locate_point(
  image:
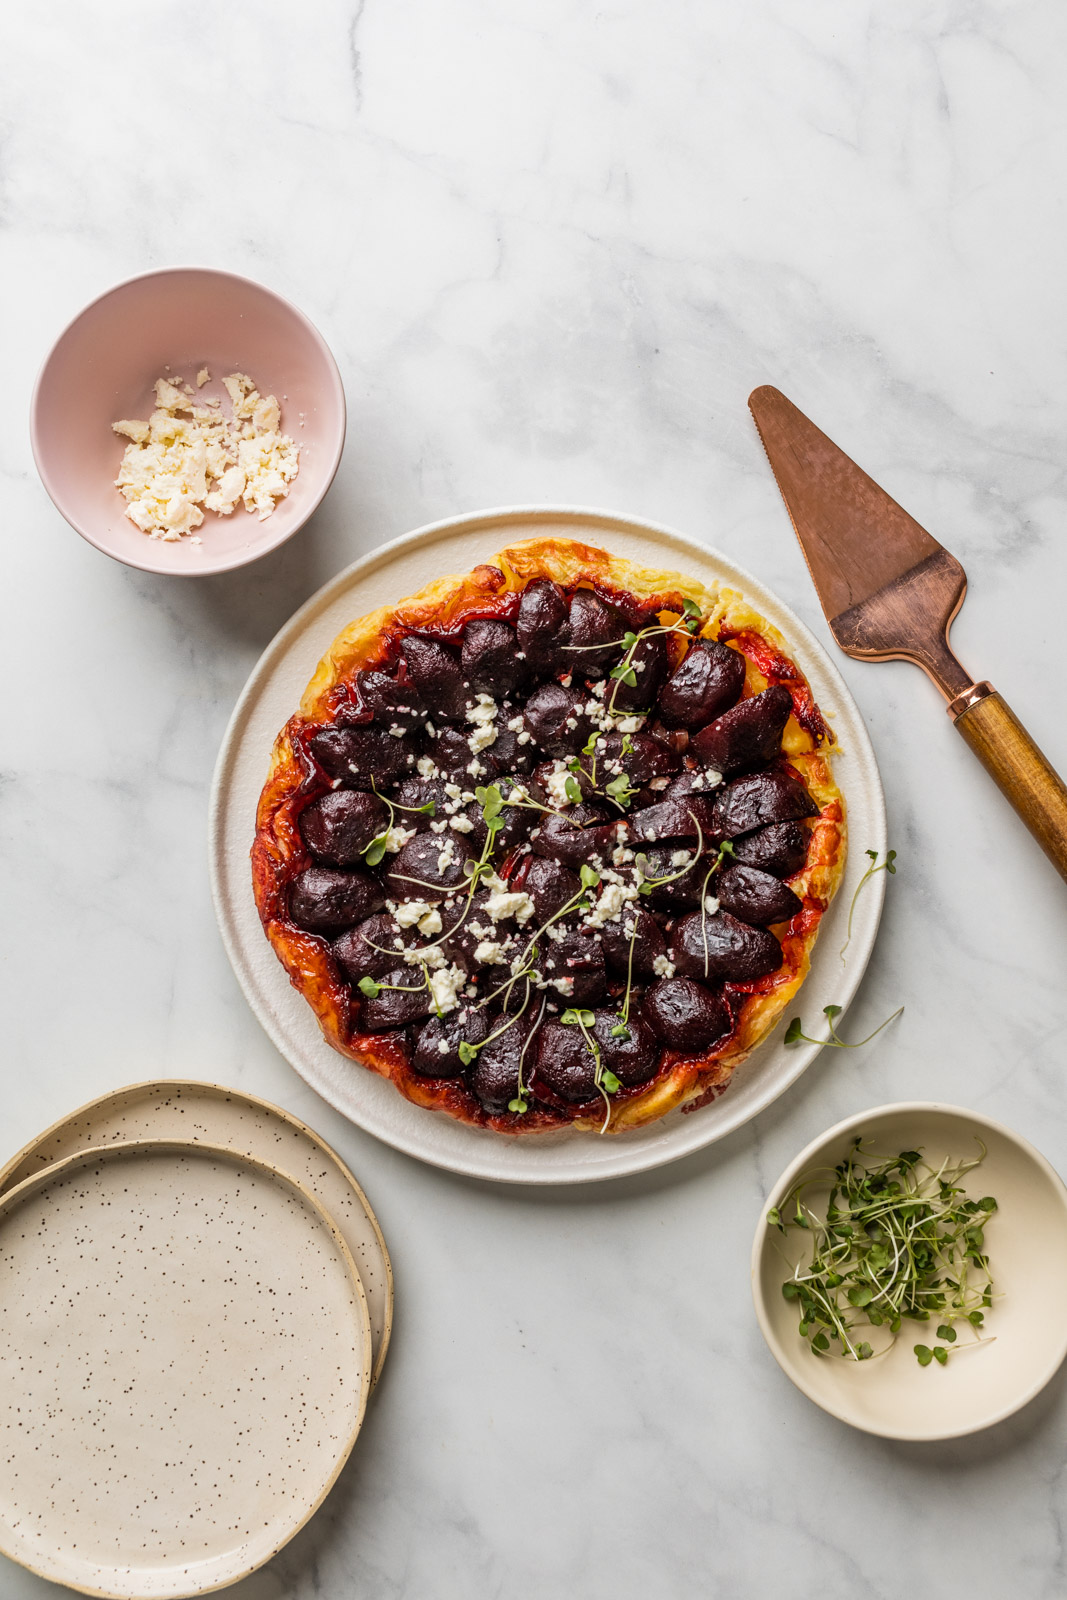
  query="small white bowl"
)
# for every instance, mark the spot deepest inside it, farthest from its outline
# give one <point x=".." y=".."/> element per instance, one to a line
<point x="103" y="367"/>
<point x="1026" y="1240"/>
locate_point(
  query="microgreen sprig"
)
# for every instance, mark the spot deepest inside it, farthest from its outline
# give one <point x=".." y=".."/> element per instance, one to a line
<point x="899" y="1241"/>
<point x="606" y="1081"/>
<point x="795" y="1033"/>
<point x="373" y="852"/>
<point x="886" y="866"/>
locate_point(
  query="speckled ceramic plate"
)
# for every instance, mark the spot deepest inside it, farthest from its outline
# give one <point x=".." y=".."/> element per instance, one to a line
<point x="270" y="698"/>
<point x="207" y="1113"/>
<point x="184" y="1367"/>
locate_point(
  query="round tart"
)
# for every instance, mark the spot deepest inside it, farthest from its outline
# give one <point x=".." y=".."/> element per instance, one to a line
<point x="549" y="845"/>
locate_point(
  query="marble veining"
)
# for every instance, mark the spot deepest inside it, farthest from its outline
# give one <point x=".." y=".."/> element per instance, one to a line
<point x="553" y="250"/>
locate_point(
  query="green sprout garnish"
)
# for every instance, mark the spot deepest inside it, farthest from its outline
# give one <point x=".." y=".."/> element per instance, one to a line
<point x="373" y="851"/>
<point x="794" y="1033"/>
<point x="886" y="866"/>
<point x="606" y="1081"/>
<point x="899" y="1242"/>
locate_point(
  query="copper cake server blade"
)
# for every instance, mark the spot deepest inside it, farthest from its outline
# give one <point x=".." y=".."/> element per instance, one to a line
<point x="889" y="591"/>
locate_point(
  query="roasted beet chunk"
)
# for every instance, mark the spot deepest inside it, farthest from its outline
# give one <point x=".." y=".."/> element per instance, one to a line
<point x="647" y="941"/>
<point x="578" y="959"/>
<point x="403" y="998"/>
<point x="494" y="1076"/>
<point x="708" y="681"/>
<point x="324" y="900"/>
<point x="451" y="753"/>
<point x="412" y="795"/>
<point x="370" y="951"/>
<point x="550" y="887"/>
<point x="643" y="756"/>
<point x="358" y="755"/>
<point x="390" y="702"/>
<point x="430" y="1060"/>
<point x="722" y="949"/>
<point x="756" y="896"/>
<point x="436" y="673"/>
<point x="649" y="661"/>
<point x="338" y="826"/>
<point x="542" y="626"/>
<point x="507" y="754"/>
<point x="685" y="1015"/>
<point x="684" y="884"/>
<point x="490" y="658"/>
<point x="573" y="838"/>
<point x="634" y="1060"/>
<point x="593" y="625"/>
<point x="464" y="934"/>
<point x="761" y="798"/>
<point x="780" y="849"/>
<point x="555" y="720"/>
<point x="748" y="735"/>
<point x="428" y="868"/>
<point x="673" y="819"/>
<point x="565" y="1064"/>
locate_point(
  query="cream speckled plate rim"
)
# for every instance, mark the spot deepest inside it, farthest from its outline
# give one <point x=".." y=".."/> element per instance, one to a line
<point x="372" y="1102"/>
<point x="121" y="1151"/>
<point x="252" y="1100"/>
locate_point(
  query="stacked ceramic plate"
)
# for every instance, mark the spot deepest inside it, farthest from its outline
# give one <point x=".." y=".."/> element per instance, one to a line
<point x="195" y="1302"/>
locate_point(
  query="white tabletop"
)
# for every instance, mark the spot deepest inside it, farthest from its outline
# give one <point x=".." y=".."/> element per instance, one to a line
<point x="553" y="249"/>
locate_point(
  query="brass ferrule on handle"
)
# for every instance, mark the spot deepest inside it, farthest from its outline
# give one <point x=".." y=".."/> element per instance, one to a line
<point x="1021" y="772"/>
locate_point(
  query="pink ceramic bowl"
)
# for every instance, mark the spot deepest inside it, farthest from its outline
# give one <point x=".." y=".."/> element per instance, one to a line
<point x="103" y="367"/>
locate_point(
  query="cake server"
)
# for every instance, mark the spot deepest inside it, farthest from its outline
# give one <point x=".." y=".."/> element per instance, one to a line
<point x="889" y="592"/>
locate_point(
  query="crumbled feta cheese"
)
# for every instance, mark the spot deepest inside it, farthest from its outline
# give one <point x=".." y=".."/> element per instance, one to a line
<point x="396" y="838"/>
<point x="445" y="985"/>
<point x="620" y="856"/>
<point x="663" y="967"/>
<point x="483" y="715"/>
<point x="453" y="791"/>
<point x="503" y="903"/>
<point x="556" y="784"/>
<point x="630" y="724"/>
<point x="396" y="731"/>
<point x="475" y="768"/>
<point x="516" y="724"/>
<point x="613" y="896"/>
<point x="426" y="767"/>
<point x="447" y="855"/>
<point x="439" y="825"/>
<point x="481" y="739"/>
<point x="564" y="985"/>
<point x="711" y="905"/>
<point x="202" y="377"/>
<point x="188" y="459"/>
<point x="431" y="922"/>
<point x="681" y="858"/>
<point x="461" y="824"/>
<point x="442" y="1047"/>
<point x="407" y="914"/>
<point x="490" y="953"/>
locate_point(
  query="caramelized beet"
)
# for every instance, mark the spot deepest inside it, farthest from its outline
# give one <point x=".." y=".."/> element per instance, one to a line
<point x="549" y="886"/>
<point x="756" y="896"/>
<point x="324" y="900"/>
<point x="412" y="795"/>
<point x="574" y="838"/>
<point x="416" y="873"/>
<point x="685" y="1015"/>
<point x="430" y="1060"/>
<point x="405" y="999"/>
<point x="634" y="1060"/>
<point x="648" y="944"/>
<point x="339" y="825"/>
<point x="494" y="1076"/>
<point x="683" y="890"/>
<point x="720" y="948"/>
<point x="565" y="1064"/>
<point x="649" y="661"/>
<point x="507" y="755"/>
<point x="674" y="819"/>
<point x="451" y="754"/>
<point x="748" y="735"/>
<point x="709" y="680"/>
<point x="389" y="701"/>
<point x="643" y="756"/>
<point x="762" y="797"/>
<point x="437" y="676"/>
<point x="369" y="951"/>
<point x="593" y="624"/>
<point x="780" y="849"/>
<point x="579" y="958"/>
<point x="555" y="720"/>
<point x="542" y="626"/>
<point x="357" y="755"/>
<point x="489" y="660"/>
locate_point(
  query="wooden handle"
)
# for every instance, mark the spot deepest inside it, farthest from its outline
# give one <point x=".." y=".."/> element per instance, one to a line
<point x="1017" y="767"/>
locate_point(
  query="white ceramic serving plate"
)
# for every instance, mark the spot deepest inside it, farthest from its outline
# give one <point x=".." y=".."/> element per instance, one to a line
<point x="273" y="693"/>
<point x="1026" y="1241"/>
<point x="207" y="1113"/>
<point x="184" y="1367"/>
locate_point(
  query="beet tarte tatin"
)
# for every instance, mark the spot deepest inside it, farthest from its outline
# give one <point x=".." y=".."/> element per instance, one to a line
<point x="549" y="845"/>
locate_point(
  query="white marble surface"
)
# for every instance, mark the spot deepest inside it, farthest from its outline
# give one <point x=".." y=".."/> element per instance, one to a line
<point x="553" y="249"/>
